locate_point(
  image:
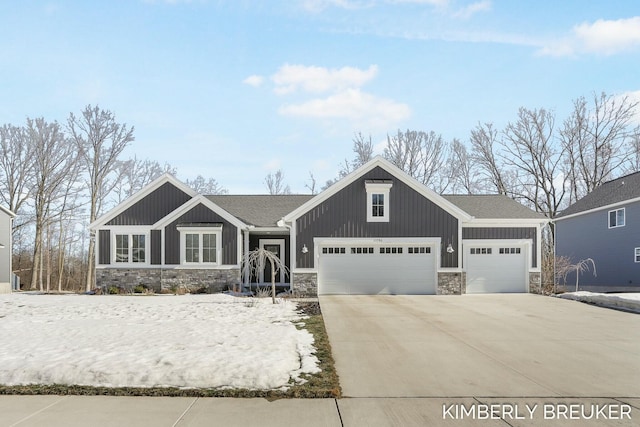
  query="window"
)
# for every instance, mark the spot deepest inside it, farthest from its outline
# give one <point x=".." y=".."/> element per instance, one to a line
<point x="131" y="248"/>
<point x="480" y="251"/>
<point x="378" y="200"/>
<point x="637" y="253"/>
<point x="122" y="248"/>
<point x="616" y="218"/>
<point x="507" y="251"/>
<point x="420" y="250"/>
<point x="377" y="205"/>
<point x="200" y="245"/>
<point x="336" y="251"/>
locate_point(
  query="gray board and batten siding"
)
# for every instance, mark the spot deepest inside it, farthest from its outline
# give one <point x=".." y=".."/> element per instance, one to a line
<point x="344" y="214"/>
<point x="201" y="214"/>
<point x="153" y="207"/>
<point x="147" y="211"/>
<point x="612" y="249"/>
<point x="489" y="233"/>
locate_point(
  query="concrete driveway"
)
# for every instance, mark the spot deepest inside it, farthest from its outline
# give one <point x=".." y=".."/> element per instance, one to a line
<point x="509" y="345"/>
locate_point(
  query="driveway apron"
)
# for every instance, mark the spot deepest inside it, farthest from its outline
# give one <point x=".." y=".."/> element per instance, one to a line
<point x="501" y="345"/>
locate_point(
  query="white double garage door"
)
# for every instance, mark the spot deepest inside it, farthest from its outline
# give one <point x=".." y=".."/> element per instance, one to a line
<point x="409" y="267"/>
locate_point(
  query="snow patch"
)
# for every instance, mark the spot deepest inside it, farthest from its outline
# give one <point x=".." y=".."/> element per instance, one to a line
<point x="192" y="341"/>
<point x="626" y="301"/>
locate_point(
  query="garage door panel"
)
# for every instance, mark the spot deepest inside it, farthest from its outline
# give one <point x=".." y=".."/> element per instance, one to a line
<point x="495" y="269"/>
<point x="373" y="272"/>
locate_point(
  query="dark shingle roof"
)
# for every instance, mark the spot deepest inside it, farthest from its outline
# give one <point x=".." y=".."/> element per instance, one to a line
<point x="494" y="206"/>
<point x="615" y="191"/>
<point x="267" y="210"/>
<point x="260" y="210"/>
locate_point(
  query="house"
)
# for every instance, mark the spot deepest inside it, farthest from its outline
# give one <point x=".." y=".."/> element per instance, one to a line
<point x="6" y="273"/>
<point x="377" y="230"/>
<point x="605" y="226"/>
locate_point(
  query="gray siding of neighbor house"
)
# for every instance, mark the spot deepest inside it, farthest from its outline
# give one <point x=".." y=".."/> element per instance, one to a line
<point x="612" y="249"/>
<point x="254" y="242"/>
<point x="201" y="214"/>
<point x="153" y="207"/>
<point x="505" y="233"/>
<point x="104" y="247"/>
<point x="345" y="215"/>
<point x="5" y="253"/>
<point x="156" y="247"/>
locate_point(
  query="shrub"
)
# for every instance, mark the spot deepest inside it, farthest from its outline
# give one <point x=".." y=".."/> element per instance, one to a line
<point x="113" y="290"/>
<point x="140" y="289"/>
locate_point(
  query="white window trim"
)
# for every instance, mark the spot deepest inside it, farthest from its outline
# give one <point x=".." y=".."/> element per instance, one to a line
<point x="131" y="232"/>
<point x="624" y="214"/>
<point x="378" y="188"/>
<point x="200" y="231"/>
<point x="636" y="254"/>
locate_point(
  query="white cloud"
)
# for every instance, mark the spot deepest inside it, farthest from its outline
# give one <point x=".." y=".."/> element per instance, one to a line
<point x="632" y="97"/>
<point x="354" y="105"/>
<point x="290" y="78"/>
<point x="272" y="165"/>
<point x="605" y="37"/>
<point x="254" y="80"/>
<point x="473" y="8"/>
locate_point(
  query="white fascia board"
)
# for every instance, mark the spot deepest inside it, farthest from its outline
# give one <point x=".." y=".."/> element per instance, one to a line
<point x="186" y="207"/>
<point x="510" y="222"/>
<point x="376" y="240"/>
<point x="601" y="208"/>
<point x="396" y="172"/>
<point x="135" y="198"/>
<point x="7" y="211"/>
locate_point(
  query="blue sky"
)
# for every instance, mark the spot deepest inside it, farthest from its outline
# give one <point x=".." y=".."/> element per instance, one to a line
<point x="234" y="90"/>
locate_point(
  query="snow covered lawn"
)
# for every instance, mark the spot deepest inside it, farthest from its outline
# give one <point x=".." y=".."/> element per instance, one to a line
<point x="191" y="341"/>
<point x="626" y="301"/>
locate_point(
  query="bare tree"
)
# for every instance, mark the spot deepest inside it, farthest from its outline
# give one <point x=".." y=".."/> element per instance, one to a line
<point x="54" y="160"/>
<point x="133" y="174"/>
<point x="275" y="183"/>
<point x="422" y="155"/>
<point x="16" y="166"/>
<point x="529" y="149"/>
<point x="483" y="142"/>
<point x="464" y="172"/>
<point x="204" y="186"/>
<point x="595" y="136"/>
<point x="312" y="186"/>
<point x="99" y="140"/>
<point x="255" y="261"/>
<point x="633" y="147"/>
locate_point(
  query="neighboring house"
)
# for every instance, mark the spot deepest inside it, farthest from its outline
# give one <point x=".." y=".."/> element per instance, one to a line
<point x="377" y="230"/>
<point x="605" y="226"/>
<point x="6" y="273"/>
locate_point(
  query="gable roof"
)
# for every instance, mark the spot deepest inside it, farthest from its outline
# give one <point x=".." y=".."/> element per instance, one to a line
<point x="617" y="191"/>
<point x="379" y="161"/>
<point x="199" y="199"/>
<point x="260" y="210"/>
<point x="141" y="194"/>
<point x="492" y="206"/>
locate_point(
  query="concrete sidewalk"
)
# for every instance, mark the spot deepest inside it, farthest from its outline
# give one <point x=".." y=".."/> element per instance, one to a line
<point x="99" y="411"/>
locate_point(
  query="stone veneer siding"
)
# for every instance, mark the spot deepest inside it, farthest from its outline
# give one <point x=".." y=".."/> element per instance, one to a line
<point x="452" y="283"/>
<point x="304" y="284"/>
<point x="535" y="286"/>
<point x="169" y="279"/>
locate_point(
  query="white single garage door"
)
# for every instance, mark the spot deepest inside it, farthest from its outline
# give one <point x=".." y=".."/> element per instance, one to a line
<point x="382" y="268"/>
<point x="496" y="267"/>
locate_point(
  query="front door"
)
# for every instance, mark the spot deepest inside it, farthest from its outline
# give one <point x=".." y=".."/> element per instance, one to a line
<point x="275" y="246"/>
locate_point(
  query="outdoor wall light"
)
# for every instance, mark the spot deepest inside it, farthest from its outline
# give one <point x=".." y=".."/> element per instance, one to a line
<point x="450" y="249"/>
<point x="1" y="246"/>
<point x="305" y="249"/>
